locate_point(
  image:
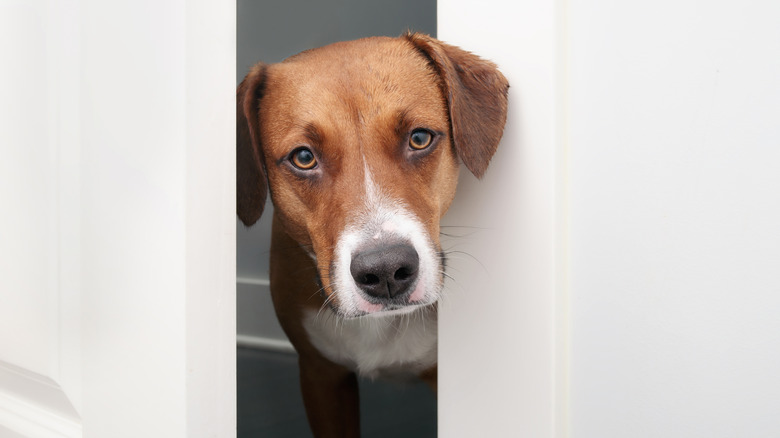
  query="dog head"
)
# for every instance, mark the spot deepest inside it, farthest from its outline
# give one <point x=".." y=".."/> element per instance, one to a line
<point x="358" y="144"/>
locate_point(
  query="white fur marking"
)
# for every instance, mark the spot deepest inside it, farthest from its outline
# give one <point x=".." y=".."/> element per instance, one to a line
<point x="392" y="345"/>
<point x="383" y="217"/>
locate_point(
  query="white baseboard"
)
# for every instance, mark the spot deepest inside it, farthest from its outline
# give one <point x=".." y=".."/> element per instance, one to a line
<point x="256" y="323"/>
<point x="35" y="406"/>
<point x="253" y="281"/>
<point x="257" y="326"/>
<point x="248" y="341"/>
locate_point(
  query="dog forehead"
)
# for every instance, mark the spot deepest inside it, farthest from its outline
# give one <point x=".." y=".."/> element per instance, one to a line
<point x="363" y="77"/>
<point x="377" y="58"/>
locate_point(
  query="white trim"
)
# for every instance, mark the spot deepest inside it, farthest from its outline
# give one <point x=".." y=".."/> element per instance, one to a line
<point x="209" y="73"/>
<point x="253" y="281"/>
<point x="505" y="310"/>
<point x="35" y="406"/>
<point x="562" y="306"/>
<point x="33" y="421"/>
<point x="259" y="342"/>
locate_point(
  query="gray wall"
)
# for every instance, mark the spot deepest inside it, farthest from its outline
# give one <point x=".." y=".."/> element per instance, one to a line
<point x="270" y="31"/>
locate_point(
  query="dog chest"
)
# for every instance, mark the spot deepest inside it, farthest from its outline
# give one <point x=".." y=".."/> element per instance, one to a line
<point x="388" y="346"/>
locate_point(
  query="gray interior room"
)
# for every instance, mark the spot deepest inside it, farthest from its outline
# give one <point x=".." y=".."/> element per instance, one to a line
<point x="269" y="402"/>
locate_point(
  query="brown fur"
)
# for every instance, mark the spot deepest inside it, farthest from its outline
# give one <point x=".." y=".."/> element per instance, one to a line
<point x="350" y="100"/>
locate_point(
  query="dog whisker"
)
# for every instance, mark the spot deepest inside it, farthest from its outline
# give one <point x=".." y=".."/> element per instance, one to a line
<point x="484" y="268"/>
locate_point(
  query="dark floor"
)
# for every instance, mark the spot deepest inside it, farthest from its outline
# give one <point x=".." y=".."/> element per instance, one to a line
<point x="270" y="404"/>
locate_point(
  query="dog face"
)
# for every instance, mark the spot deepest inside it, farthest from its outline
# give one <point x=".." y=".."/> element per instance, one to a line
<point x="359" y="145"/>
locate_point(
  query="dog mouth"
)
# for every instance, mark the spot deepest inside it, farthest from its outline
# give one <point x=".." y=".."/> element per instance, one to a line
<point x="384" y="262"/>
<point x="393" y="310"/>
<point x="381" y="310"/>
<point x="364" y="305"/>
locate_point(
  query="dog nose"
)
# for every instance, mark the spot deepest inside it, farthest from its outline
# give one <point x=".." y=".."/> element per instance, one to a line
<point x="386" y="271"/>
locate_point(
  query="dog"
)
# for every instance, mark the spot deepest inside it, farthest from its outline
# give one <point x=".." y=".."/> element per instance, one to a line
<point x="359" y="145"/>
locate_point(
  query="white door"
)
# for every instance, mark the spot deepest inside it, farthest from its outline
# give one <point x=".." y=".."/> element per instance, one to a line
<point x="117" y="245"/>
<point x="675" y="203"/>
<point x="630" y="247"/>
<point x="117" y="253"/>
<point x="500" y="346"/>
<point x="121" y="269"/>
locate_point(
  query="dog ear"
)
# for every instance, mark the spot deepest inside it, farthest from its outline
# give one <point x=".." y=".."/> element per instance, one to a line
<point x="251" y="183"/>
<point x="477" y="98"/>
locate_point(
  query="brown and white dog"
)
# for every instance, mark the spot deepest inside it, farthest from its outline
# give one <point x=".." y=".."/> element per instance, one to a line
<point x="358" y="143"/>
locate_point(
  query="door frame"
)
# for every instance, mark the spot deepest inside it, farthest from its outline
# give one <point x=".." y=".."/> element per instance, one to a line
<point x="503" y="343"/>
<point x="139" y="122"/>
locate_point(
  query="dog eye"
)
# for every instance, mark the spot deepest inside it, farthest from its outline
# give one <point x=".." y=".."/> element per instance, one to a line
<point x="420" y="139"/>
<point x="303" y="158"/>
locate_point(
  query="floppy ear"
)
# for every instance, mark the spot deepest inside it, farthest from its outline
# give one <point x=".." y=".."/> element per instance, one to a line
<point x="477" y="98"/>
<point x="251" y="184"/>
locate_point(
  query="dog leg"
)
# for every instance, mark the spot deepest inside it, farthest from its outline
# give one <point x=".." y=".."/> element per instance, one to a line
<point x="431" y="377"/>
<point x="330" y="394"/>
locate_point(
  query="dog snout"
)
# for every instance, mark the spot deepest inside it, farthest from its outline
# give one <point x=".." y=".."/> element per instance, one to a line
<point x="386" y="271"/>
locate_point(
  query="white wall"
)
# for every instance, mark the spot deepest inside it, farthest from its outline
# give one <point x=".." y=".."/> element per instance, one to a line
<point x="674" y="109"/>
<point x="28" y="223"/>
<point x="40" y="363"/>
<point x="630" y="284"/>
<point x="498" y="374"/>
<point x="117" y="289"/>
